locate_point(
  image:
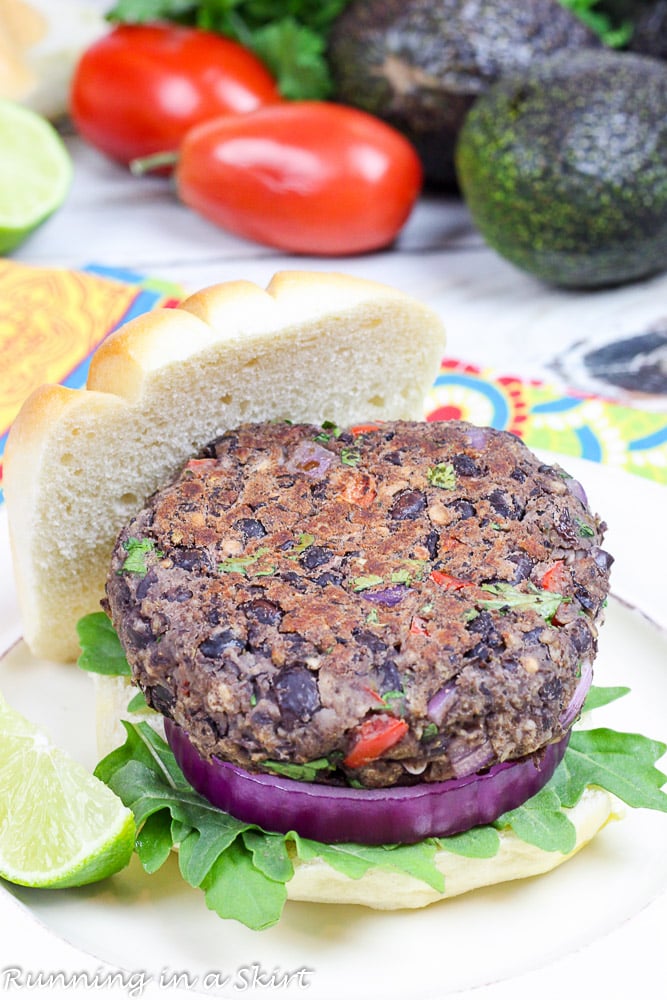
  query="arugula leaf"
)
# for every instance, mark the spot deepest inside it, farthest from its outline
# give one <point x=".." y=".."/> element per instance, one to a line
<point x="199" y="850"/>
<point x="138" y="703"/>
<point x="237" y="890"/>
<point x="142" y="745"/>
<point x="154" y="841"/>
<point x="480" y="842"/>
<point x="597" y="697"/>
<point x="269" y="853"/>
<point x="354" y="860"/>
<point x="623" y="763"/>
<point x="541" y="822"/>
<point x="101" y="651"/>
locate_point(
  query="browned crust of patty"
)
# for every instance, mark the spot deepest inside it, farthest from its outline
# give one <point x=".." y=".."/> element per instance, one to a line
<point x="294" y="582"/>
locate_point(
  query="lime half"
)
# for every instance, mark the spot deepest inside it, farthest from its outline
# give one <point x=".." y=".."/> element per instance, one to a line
<point x="59" y="825"/>
<point x="35" y="173"/>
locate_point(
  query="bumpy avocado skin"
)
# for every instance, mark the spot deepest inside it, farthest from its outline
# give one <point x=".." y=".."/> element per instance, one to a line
<point x="420" y="64"/>
<point x="564" y="168"/>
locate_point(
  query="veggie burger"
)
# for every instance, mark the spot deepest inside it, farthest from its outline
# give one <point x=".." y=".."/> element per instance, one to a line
<point x="377" y="634"/>
<point x="365" y="637"/>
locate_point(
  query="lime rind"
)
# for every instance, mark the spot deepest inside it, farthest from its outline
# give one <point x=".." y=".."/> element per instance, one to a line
<point x="35" y="172"/>
<point x="59" y="825"/>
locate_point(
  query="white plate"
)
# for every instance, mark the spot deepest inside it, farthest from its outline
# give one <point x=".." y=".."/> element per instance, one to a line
<point x="598" y="922"/>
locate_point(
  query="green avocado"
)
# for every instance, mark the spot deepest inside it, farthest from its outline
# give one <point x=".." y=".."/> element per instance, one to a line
<point x="419" y="65"/>
<point x="564" y="168"/>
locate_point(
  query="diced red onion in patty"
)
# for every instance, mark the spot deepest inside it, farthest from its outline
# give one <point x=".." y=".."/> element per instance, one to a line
<point x="440" y="702"/>
<point x="390" y="596"/>
<point x="311" y="459"/>
<point x="572" y="711"/>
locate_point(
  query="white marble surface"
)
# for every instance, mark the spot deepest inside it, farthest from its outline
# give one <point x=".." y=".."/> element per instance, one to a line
<point x="495" y="315"/>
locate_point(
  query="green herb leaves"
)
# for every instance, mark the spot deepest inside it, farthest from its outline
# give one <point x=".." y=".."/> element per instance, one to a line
<point x="545" y="602"/>
<point x="137" y="549"/>
<point x="240" y="564"/>
<point x="366" y="582"/>
<point x="299" y="772"/>
<point x="442" y="475"/>
<point x="290" y="36"/>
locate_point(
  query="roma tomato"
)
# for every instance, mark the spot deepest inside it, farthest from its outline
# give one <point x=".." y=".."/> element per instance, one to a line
<point x="138" y="90"/>
<point x="308" y="177"/>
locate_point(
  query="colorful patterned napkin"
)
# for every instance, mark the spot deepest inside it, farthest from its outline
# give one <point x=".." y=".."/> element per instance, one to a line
<point x="545" y="416"/>
<point x="52" y="320"/>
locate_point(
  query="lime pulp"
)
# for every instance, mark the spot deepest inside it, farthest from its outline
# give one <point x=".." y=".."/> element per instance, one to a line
<point x="59" y="825"/>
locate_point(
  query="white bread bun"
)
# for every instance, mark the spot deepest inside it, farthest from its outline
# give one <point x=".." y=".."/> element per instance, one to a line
<point x="384" y="889"/>
<point x="78" y="463"/>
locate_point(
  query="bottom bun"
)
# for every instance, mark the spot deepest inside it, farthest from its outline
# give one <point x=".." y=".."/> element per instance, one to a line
<point x="380" y="889"/>
<point x="316" y="881"/>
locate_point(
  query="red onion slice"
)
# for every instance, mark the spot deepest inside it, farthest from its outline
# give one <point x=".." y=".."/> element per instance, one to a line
<point x="394" y="815"/>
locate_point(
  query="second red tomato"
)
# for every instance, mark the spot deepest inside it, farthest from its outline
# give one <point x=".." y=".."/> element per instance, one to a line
<point x="138" y="89"/>
<point x="308" y="177"/>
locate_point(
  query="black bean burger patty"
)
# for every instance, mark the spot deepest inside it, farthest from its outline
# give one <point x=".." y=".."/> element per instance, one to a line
<point x="398" y="602"/>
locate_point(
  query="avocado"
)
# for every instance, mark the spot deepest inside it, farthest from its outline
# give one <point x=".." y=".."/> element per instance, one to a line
<point x="420" y="64"/>
<point x="564" y="168"/>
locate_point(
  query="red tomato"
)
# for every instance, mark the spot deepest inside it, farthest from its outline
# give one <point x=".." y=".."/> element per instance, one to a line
<point x="308" y="177"/>
<point x="374" y="737"/>
<point x="138" y="90"/>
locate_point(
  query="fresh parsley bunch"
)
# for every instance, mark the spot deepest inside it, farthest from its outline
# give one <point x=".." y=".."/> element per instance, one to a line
<point x="289" y="36"/>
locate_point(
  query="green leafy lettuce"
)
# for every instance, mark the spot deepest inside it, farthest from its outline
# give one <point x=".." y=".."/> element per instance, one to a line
<point x="243" y="870"/>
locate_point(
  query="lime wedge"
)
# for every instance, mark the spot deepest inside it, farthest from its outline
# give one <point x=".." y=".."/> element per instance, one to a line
<point x="35" y="173"/>
<point x="59" y="825"/>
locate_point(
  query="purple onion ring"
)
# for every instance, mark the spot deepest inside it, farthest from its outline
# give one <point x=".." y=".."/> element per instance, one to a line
<point x="331" y="814"/>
